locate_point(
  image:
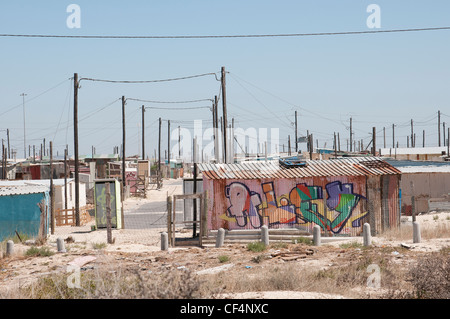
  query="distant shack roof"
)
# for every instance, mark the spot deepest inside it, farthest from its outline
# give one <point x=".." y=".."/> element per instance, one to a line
<point x="414" y="150"/>
<point x="22" y="189"/>
<point x="350" y="166"/>
<point x="99" y="156"/>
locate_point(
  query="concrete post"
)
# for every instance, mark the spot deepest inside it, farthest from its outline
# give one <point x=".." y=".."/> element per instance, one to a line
<point x="265" y="235"/>
<point x="9" y="248"/>
<point x="164" y="241"/>
<point x="60" y="245"/>
<point x="316" y="235"/>
<point x="416" y="232"/>
<point x="220" y="237"/>
<point x="366" y="235"/>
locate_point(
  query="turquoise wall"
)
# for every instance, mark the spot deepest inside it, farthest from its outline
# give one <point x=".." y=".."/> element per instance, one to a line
<point x="21" y="213"/>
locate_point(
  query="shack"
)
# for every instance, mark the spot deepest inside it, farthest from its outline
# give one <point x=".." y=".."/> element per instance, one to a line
<point x="24" y="210"/>
<point x="339" y="195"/>
<point x="425" y="186"/>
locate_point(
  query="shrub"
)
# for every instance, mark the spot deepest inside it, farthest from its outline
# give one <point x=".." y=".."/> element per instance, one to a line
<point x="256" y="246"/>
<point x="42" y="252"/>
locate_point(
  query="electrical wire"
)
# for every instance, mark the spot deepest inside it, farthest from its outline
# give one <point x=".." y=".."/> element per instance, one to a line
<point x="150" y="81"/>
<point x="168" y="102"/>
<point x="222" y="36"/>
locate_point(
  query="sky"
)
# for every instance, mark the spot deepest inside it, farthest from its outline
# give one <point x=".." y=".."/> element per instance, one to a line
<point x="376" y="79"/>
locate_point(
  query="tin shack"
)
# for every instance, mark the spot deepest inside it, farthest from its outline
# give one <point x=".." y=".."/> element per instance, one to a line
<point x="339" y="195"/>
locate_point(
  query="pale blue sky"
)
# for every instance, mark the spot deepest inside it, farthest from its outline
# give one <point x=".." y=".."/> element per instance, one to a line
<point x="378" y="79"/>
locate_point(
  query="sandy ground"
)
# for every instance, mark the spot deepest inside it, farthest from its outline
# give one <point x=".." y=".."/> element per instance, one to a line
<point x="141" y="249"/>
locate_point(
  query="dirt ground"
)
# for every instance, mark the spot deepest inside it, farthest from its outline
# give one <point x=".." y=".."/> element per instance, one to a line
<point x="141" y="250"/>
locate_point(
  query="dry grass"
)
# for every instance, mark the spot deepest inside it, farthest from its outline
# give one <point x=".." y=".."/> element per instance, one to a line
<point x="439" y="229"/>
<point x="117" y="284"/>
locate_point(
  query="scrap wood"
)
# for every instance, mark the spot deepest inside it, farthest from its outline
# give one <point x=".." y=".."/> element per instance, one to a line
<point x="293" y="257"/>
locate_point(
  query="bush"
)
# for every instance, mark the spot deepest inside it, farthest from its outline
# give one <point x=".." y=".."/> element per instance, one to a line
<point x="256" y="246"/>
<point x="224" y="258"/>
<point x="430" y="277"/>
<point x="42" y="252"/>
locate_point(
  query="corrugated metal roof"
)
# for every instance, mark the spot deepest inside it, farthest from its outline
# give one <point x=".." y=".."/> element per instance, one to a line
<point x="351" y="166"/>
<point x="22" y="190"/>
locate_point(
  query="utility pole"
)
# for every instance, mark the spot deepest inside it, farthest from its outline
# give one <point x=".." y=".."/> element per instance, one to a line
<point x="216" y="130"/>
<point x="52" y="192"/>
<point x="296" y="137"/>
<point x="24" y="135"/>
<point x="393" y="136"/>
<point x="7" y="135"/>
<point x="179" y="141"/>
<point x="225" y="122"/>
<point x="65" y="177"/>
<point x="123" y="147"/>
<point x="168" y="145"/>
<point x="289" y="145"/>
<point x="75" y="134"/>
<point x="374" y="135"/>
<point x="443" y="132"/>
<point x="384" y="137"/>
<point x="351" y="133"/>
<point x="159" y="148"/>
<point x="143" y="134"/>
<point x="423" y="138"/>
<point x="439" y="128"/>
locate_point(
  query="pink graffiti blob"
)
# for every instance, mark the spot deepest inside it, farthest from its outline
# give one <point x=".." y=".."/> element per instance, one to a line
<point x="243" y="205"/>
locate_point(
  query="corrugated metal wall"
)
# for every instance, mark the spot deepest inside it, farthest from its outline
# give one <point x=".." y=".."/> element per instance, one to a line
<point x="337" y="204"/>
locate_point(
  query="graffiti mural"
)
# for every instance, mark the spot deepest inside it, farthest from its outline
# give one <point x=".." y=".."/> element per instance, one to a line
<point x="331" y="207"/>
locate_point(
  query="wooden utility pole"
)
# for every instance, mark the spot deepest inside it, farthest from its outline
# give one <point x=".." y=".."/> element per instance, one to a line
<point x="439" y="128"/>
<point x="443" y="133"/>
<point x="34" y="154"/>
<point x="7" y="134"/>
<point x="412" y="135"/>
<point x="123" y="148"/>
<point x="168" y="145"/>
<point x="179" y="141"/>
<point x="335" y="145"/>
<point x="296" y="135"/>
<point x="52" y="192"/>
<point x="143" y="133"/>
<point x="393" y="136"/>
<point x="339" y="142"/>
<point x="159" y="148"/>
<point x="75" y="134"/>
<point x="423" y="138"/>
<point x="384" y="137"/>
<point x="225" y="122"/>
<point x="351" y="137"/>
<point x="65" y="178"/>
<point x="216" y="130"/>
<point x="289" y="145"/>
<point x="374" y="135"/>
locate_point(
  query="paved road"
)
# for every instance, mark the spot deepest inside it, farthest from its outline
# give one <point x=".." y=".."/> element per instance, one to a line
<point x="152" y="212"/>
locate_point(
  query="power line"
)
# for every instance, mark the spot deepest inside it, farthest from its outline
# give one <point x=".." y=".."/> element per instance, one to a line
<point x="150" y="81"/>
<point x="221" y="36"/>
<point x="168" y="102"/>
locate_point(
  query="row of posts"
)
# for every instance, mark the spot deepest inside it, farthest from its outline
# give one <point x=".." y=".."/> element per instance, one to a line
<point x="367" y="236"/>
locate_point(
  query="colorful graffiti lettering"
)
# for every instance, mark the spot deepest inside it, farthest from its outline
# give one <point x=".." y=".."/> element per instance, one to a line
<point x="243" y="205"/>
<point x="302" y="205"/>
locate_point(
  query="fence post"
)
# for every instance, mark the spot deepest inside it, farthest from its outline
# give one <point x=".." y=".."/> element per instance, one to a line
<point x="9" y="248"/>
<point x="220" y="237"/>
<point x="60" y="245"/>
<point x="416" y="232"/>
<point x="316" y="235"/>
<point x="366" y="234"/>
<point x="164" y="241"/>
<point x="265" y="235"/>
<point x="169" y="219"/>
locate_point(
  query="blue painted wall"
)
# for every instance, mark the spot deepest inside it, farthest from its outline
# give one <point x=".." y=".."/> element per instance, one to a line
<point x="21" y="213"/>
